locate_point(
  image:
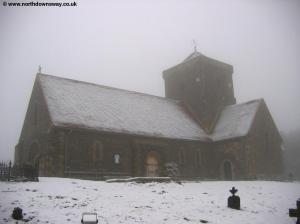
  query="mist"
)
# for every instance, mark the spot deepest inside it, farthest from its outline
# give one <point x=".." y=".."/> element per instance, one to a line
<point x="127" y="44"/>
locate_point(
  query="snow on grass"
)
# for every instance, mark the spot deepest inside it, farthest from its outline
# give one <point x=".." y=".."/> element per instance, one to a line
<point x="61" y="200"/>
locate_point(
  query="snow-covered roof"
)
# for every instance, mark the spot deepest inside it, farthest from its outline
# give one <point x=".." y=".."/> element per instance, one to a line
<point x="84" y="105"/>
<point x="77" y="104"/>
<point x="235" y="120"/>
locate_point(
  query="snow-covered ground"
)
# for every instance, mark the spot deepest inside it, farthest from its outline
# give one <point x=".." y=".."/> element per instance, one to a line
<point x="59" y="200"/>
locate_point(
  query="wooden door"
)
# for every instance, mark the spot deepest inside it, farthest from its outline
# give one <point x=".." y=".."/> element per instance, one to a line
<point x="152" y="167"/>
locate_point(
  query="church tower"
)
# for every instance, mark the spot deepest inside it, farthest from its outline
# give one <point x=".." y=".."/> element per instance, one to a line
<point x="203" y="84"/>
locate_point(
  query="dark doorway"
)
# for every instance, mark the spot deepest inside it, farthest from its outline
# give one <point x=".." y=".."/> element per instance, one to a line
<point x="35" y="159"/>
<point x="227" y="170"/>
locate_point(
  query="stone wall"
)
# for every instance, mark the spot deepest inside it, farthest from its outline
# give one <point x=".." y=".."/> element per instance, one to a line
<point x="133" y="151"/>
<point x="232" y="151"/>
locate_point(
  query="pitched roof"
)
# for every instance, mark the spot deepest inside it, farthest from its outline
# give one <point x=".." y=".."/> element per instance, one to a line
<point x="77" y="104"/>
<point x="84" y="105"/>
<point x="235" y="120"/>
<point x="199" y="59"/>
<point x="193" y="55"/>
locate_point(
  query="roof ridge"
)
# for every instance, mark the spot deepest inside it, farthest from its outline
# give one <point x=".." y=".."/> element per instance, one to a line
<point x="246" y="102"/>
<point x="109" y="87"/>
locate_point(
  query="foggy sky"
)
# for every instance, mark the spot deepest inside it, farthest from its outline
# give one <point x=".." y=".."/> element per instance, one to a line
<point x="127" y="44"/>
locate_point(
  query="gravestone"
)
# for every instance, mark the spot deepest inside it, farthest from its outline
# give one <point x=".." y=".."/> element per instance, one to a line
<point x="233" y="201"/>
<point x="89" y="218"/>
<point x="17" y="213"/>
<point x="295" y="212"/>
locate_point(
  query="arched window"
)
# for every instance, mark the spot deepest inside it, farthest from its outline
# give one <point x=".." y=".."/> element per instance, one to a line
<point x="117" y="158"/>
<point x="198" y="158"/>
<point x="97" y="151"/>
<point x="181" y="156"/>
<point x="227" y="170"/>
<point x="33" y="151"/>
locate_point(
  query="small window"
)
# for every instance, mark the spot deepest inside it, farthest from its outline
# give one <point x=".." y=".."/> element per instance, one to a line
<point x="181" y="156"/>
<point x="117" y="158"/>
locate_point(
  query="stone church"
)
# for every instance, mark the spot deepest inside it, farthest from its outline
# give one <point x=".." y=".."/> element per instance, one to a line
<point x="85" y="130"/>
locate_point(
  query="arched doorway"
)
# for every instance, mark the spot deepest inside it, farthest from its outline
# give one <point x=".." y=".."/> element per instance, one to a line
<point x="35" y="159"/>
<point x="152" y="165"/>
<point x="227" y="170"/>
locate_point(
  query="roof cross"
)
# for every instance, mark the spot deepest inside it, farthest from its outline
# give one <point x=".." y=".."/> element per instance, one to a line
<point x="295" y="212"/>
<point x="195" y="45"/>
<point x="233" y="190"/>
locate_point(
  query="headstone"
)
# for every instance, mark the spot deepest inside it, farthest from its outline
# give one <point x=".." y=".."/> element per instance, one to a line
<point x="17" y="213"/>
<point x="234" y="200"/>
<point x="295" y="212"/>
